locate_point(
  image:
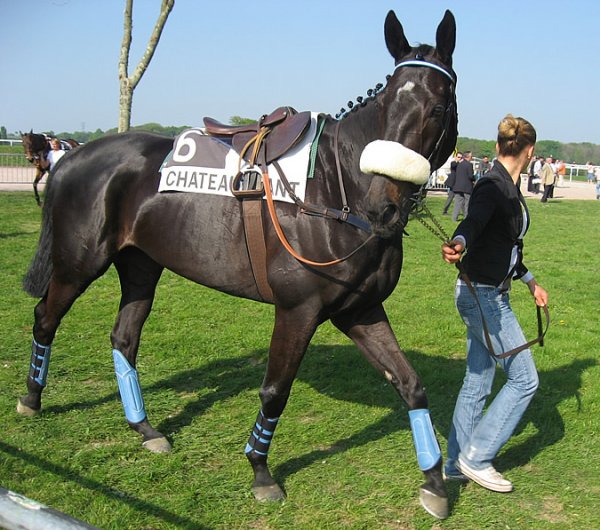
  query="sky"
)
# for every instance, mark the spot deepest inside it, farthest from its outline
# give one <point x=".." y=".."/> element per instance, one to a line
<point x="539" y="59"/>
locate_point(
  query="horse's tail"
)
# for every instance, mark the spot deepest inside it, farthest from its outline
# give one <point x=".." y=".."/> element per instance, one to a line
<point x="37" y="278"/>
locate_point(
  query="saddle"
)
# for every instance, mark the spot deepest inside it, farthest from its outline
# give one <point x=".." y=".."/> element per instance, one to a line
<point x="259" y="143"/>
<point x="283" y="129"/>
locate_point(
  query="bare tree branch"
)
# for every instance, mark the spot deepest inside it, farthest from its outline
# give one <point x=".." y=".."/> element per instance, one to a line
<point x="128" y="83"/>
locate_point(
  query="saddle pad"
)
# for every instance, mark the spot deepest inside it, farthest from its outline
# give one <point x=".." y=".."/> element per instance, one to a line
<point x="200" y="163"/>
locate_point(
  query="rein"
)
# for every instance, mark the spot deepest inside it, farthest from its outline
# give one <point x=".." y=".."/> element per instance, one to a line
<point x="438" y="231"/>
<point x="342" y="215"/>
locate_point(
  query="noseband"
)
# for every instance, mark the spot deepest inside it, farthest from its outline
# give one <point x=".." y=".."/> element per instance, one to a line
<point x="449" y="111"/>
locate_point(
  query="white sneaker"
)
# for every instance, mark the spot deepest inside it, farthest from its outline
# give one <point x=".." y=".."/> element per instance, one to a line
<point x="488" y="477"/>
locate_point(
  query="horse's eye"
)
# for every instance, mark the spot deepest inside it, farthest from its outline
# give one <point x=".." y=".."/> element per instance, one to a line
<point x="438" y="111"/>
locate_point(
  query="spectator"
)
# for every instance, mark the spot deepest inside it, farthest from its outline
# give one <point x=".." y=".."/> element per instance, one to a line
<point x="561" y="170"/>
<point x="531" y="174"/>
<point x="463" y="186"/>
<point x="450" y="181"/>
<point x="53" y="156"/>
<point x="537" y="170"/>
<point x="547" y="176"/>
<point x="597" y="172"/>
<point x="590" y="173"/>
<point x="483" y="167"/>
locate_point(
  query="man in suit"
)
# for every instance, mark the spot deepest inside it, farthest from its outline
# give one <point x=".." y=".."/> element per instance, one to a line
<point x="450" y="181"/>
<point x="463" y="187"/>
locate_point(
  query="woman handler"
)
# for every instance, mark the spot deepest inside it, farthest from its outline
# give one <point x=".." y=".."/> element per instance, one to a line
<point x="492" y="234"/>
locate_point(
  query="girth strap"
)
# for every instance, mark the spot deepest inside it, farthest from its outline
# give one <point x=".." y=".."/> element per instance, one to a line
<point x="252" y="200"/>
<point x="255" y="241"/>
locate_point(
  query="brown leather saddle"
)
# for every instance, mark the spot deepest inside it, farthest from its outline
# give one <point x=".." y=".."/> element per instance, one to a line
<point x="259" y="143"/>
<point x="286" y="128"/>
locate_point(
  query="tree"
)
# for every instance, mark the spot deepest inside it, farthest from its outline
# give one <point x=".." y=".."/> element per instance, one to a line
<point x="238" y="120"/>
<point x="127" y="83"/>
<point x="3" y="132"/>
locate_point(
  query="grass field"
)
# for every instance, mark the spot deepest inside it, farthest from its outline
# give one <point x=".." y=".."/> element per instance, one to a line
<point x="343" y="449"/>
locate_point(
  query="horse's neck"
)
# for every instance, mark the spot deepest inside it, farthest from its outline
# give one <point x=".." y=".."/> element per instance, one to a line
<point x="41" y="144"/>
<point x="361" y="126"/>
<point x="355" y="132"/>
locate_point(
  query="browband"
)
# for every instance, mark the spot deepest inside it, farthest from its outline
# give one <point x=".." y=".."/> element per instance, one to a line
<point x="418" y="62"/>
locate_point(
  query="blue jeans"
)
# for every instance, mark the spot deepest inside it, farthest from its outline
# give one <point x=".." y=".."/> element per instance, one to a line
<point x="476" y="436"/>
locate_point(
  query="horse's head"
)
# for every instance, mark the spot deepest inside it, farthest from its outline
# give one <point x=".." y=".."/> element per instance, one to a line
<point x="34" y="145"/>
<point x="417" y="124"/>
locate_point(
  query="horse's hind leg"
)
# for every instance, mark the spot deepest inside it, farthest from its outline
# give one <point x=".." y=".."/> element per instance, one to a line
<point x="48" y="314"/>
<point x="291" y="335"/>
<point x="371" y="332"/>
<point x="138" y="275"/>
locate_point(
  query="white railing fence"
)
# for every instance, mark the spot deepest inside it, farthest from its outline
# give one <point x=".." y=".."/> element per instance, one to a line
<point x="16" y="169"/>
<point x="438" y="178"/>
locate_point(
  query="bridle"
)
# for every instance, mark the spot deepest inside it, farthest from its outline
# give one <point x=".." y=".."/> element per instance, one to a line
<point x="343" y="215"/>
<point x="31" y="153"/>
<point x="450" y="110"/>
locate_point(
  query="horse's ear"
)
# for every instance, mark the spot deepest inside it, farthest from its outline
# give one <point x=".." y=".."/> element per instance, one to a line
<point x="31" y="132"/>
<point x="446" y="37"/>
<point x="394" y="37"/>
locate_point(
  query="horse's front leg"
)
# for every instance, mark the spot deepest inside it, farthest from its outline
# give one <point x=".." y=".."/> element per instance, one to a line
<point x="371" y="332"/>
<point x="291" y="335"/>
<point x="38" y="176"/>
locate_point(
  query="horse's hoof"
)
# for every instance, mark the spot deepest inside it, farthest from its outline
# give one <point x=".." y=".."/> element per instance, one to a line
<point x="268" y="493"/>
<point x="158" y="445"/>
<point x="434" y="504"/>
<point x="24" y="410"/>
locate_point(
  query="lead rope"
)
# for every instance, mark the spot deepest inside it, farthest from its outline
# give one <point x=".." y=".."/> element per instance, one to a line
<point x="438" y="231"/>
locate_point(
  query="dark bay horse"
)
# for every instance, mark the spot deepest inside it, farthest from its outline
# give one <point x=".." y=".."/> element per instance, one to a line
<point x="36" y="147"/>
<point x="102" y="207"/>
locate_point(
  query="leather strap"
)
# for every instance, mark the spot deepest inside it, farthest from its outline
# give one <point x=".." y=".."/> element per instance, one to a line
<point x="321" y="211"/>
<point x="253" y="223"/>
<point x="338" y="167"/>
<point x="255" y="241"/>
<point x="541" y="332"/>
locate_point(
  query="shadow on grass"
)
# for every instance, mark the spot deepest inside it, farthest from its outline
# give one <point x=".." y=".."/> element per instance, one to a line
<point x="341" y="373"/>
<point x="15" y="234"/>
<point x="68" y="475"/>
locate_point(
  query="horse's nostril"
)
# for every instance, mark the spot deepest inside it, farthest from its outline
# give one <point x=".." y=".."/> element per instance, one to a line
<point x="389" y="215"/>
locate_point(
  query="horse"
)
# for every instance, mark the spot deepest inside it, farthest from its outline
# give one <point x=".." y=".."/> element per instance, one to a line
<point x="36" y="147"/>
<point x="102" y="208"/>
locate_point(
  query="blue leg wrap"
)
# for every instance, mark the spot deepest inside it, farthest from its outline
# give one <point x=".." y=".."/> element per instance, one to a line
<point x="426" y="445"/>
<point x="129" y="388"/>
<point x="40" y="361"/>
<point x="262" y="434"/>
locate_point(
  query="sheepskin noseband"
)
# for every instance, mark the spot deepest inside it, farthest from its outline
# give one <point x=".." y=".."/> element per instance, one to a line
<point x="392" y="159"/>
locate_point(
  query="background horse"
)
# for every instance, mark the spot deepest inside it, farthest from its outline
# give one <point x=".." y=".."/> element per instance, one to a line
<point x="36" y="147"/>
<point x="102" y="208"/>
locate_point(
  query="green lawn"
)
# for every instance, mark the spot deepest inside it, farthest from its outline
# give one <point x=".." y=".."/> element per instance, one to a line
<point x="343" y="449"/>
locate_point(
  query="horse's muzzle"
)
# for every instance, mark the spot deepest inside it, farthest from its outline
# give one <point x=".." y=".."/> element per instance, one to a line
<point x="387" y="222"/>
<point x="388" y="205"/>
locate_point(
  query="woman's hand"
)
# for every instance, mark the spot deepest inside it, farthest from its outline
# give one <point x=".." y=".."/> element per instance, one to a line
<point x="452" y="251"/>
<point x="538" y="292"/>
